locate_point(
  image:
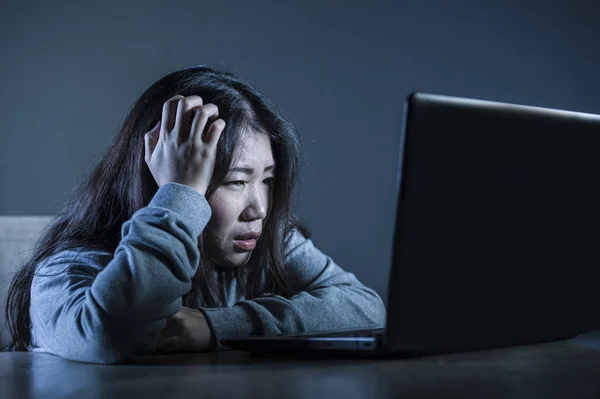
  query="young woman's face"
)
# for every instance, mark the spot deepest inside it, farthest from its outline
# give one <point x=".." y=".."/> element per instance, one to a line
<point x="242" y="203"/>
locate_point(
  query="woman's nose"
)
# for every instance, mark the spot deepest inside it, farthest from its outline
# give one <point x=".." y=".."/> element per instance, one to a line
<point x="256" y="207"/>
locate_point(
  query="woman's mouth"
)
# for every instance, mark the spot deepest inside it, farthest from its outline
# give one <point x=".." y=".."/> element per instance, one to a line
<point x="247" y="245"/>
<point x="247" y="241"/>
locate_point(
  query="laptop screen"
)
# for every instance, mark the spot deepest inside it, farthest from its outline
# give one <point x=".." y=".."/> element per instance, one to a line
<point x="498" y="225"/>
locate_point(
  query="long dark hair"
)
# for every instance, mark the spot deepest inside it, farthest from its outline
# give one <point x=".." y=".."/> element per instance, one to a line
<point x="121" y="184"/>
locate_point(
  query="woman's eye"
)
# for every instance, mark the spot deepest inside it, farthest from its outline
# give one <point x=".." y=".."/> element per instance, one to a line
<point x="269" y="181"/>
<point x="235" y="183"/>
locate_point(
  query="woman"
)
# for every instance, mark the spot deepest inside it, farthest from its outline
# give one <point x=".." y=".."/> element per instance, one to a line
<point x="184" y="235"/>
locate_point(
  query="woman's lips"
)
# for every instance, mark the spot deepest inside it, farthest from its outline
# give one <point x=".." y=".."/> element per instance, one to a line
<point x="247" y="245"/>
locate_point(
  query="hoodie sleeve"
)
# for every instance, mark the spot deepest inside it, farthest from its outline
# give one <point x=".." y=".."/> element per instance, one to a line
<point x="98" y="307"/>
<point x="327" y="298"/>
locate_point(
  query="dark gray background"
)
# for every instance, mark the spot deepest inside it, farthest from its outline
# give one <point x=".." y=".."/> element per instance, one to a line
<point x="339" y="69"/>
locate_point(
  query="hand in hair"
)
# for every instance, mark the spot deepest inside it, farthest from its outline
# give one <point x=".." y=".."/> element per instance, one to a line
<point x="181" y="147"/>
<point x="186" y="331"/>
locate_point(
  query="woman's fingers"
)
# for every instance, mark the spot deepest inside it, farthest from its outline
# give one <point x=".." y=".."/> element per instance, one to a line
<point x="203" y="114"/>
<point x="214" y="132"/>
<point x="185" y="156"/>
<point x="168" y="332"/>
<point x="169" y="345"/>
<point x="150" y="141"/>
<point x="172" y="329"/>
<point x="169" y="112"/>
<point x="184" y="116"/>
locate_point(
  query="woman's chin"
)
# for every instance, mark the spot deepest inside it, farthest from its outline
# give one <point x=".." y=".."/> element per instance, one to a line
<point x="236" y="259"/>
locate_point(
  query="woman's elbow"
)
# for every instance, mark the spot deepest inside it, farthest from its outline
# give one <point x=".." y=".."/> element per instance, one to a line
<point x="377" y="311"/>
<point x="84" y="349"/>
<point x="94" y="353"/>
<point x="370" y="307"/>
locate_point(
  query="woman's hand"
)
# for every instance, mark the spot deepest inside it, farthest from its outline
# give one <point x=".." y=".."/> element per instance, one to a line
<point x="186" y="331"/>
<point x="181" y="147"/>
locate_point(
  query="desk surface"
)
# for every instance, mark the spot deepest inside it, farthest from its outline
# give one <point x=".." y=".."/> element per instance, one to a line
<point x="553" y="370"/>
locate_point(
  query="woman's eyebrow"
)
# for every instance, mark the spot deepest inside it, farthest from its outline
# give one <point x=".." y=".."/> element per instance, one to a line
<point x="249" y="171"/>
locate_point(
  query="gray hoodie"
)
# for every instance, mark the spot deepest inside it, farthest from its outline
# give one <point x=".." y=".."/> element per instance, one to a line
<point x="93" y="306"/>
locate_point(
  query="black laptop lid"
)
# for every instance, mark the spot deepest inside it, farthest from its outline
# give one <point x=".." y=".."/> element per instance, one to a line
<point x="498" y="228"/>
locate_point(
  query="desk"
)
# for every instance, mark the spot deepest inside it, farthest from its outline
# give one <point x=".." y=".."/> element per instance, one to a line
<point x="568" y="369"/>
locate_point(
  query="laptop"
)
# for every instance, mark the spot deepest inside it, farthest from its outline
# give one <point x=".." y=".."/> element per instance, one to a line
<point x="497" y="233"/>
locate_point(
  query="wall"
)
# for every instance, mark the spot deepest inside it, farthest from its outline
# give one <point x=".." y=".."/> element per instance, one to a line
<point x="339" y="69"/>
